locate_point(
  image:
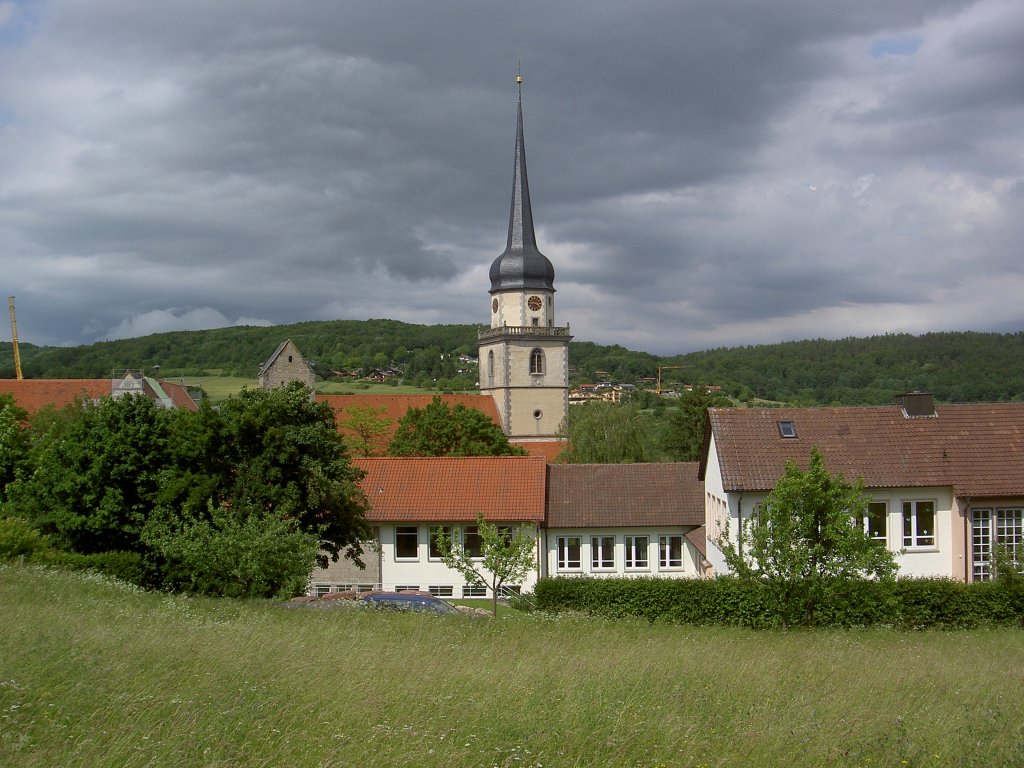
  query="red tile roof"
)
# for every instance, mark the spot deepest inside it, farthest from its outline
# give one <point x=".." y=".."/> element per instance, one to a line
<point x="616" y="495"/>
<point x="395" y="407"/>
<point x="977" y="449"/>
<point x="35" y="394"/>
<point x="455" y="489"/>
<point x="549" y="449"/>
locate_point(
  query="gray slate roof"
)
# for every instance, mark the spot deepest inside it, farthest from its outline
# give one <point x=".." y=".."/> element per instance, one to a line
<point x="521" y="265"/>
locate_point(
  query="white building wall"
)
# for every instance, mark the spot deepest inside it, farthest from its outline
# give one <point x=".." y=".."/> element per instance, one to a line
<point x="934" y="560"/>
<point x="945" y="558"/>
<point x="424" y="572"/>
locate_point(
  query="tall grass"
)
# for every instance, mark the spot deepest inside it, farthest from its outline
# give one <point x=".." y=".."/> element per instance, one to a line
<point x="94" y="673"/>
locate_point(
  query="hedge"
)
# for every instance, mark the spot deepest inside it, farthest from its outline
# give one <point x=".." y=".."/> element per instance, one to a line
<point x="727" y="600"/>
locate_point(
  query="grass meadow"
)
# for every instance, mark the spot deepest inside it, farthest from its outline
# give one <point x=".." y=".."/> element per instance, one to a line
<point x="95" y="673"/>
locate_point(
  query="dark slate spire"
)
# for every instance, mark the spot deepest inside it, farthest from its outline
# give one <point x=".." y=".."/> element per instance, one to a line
<point x="521" y="265"/>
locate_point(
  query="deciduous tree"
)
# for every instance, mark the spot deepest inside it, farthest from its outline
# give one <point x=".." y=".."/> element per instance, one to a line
<point x="367" y="426"/>
<point x="684" y="434"/>
<point x="443" y="430"/>
<point x="605" y="433"/>
<point x="506" y="555"/>
<point x="96" y="474"/>
<point x="14" y="442"/>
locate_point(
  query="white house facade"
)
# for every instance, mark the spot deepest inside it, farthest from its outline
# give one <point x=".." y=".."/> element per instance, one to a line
<point x="945" y="483"/>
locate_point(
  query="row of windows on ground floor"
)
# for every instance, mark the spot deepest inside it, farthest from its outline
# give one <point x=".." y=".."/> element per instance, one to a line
<point x="917" y="522"/>
<point x="409" y="540"/>
<point x="991" y="527"/>
<point x="437" y="590"/>
<point x="635" y="552"/>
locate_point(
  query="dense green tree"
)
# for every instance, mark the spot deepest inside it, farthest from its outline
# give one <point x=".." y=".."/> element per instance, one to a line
<point x="14" y="442"/>
<point x="505" y="555"/>
<point x="96" y="474"/>
<point x="439" y="429"/>
<point x="281" y="452"/>
<point x="234" y="551"/>
<point x="605" y="433"/>
<point x="266" y="471"/>
<point x="805" y="535"/>
<point x="684" y="432"/>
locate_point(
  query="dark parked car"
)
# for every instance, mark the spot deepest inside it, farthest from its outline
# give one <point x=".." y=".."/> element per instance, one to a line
<point x="407" y="601"/>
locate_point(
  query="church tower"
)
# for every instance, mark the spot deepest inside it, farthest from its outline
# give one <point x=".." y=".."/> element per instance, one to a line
<point x="524" y="356"/>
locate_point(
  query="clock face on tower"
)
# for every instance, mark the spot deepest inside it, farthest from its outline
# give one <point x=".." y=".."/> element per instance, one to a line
<point x="534" y="303"/>
<point x="494" y="305"/>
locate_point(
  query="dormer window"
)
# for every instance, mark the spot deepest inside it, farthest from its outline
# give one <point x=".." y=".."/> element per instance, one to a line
<point x="787" y="429"/>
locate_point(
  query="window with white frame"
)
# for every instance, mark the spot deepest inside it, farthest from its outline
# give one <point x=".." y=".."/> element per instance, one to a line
<point x="999" y="527"/>
<point x="490" y="368"/>
<point x="321" y="589"/>
<point x="569" y="553"/>
<point x="443" y="590"/>
<point x="407" y="588"/>
<point x="407" y="542"/>
<point x="433" y="553"/>
<point x="602" y="553"/>
<point x="670" y="551"/>
<point x="875" y="521"/>
<point x="474" y="590"/>
<point x="637" y="554"/>
<point x="471" y="541"/>
<point x="537" y="361"/>
<point x="918" y="524"/>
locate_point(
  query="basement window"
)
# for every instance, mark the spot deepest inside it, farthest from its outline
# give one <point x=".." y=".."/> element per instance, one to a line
<point x="787" y="429"/>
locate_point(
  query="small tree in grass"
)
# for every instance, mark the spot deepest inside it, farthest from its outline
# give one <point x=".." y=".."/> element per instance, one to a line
<point x="807" y="533"/>
<point x="506" y="555"/>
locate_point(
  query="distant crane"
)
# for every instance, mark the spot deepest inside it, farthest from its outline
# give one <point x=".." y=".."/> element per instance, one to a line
<point x="666" y="368"/>
<point x="14" y="339"/>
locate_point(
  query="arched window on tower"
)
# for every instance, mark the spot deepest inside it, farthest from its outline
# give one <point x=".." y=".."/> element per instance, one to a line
<point x="537" y="361"/>
<point x="490" y="368"/>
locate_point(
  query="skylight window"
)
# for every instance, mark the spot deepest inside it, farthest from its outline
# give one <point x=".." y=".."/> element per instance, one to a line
<point x="787" y="429"/>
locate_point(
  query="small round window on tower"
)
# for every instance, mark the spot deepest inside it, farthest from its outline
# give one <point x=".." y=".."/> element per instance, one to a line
<point x="538" y="413"/>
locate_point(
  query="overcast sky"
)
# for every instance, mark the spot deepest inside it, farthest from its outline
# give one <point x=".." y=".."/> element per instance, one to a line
<point x="703" y="174"/>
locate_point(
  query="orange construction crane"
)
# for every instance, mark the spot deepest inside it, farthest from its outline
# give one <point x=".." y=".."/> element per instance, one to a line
<point x="666" y="368"/>
<point x="14" y="339"/>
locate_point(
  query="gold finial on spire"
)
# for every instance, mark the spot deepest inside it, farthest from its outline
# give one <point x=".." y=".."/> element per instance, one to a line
<point x="519" y="73"/>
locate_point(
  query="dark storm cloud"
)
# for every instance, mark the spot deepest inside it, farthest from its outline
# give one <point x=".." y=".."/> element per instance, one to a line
<point x="703" y="173"/>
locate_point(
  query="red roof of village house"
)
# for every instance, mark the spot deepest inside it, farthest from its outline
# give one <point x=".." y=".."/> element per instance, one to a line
<point x="454" y="489"/>
<point x="35" y="394"/>
<point x="549" y="449"/>
<point x="616" y="495"/>
<point x="977" y="449"/>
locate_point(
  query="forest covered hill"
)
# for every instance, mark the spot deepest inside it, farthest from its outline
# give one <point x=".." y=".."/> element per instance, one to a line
<point x="955" y="366"/>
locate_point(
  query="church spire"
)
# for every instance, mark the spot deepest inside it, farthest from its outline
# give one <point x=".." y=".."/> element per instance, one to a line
<point x="521" y="265"/>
